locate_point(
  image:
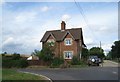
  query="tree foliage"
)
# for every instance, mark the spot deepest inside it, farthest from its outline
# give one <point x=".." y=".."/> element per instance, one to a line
<point x="46" y="53"/>
<point x="75" y="60"/>
<point x="85" y="53"/>
<point x="115" y="52"/>
<point x="97" y="51"/>
<point x="16" y="56"/>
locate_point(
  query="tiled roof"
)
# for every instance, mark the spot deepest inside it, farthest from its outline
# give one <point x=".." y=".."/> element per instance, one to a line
<point x="76" y="33"/>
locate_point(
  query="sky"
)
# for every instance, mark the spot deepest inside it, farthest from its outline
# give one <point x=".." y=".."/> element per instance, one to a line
<point x="24" y="23"/>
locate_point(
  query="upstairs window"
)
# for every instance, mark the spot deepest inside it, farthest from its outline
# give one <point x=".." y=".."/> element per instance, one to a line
<point x="68" y="54"/>
<point x="68" y="41"/>
<point x="51" y="42"/>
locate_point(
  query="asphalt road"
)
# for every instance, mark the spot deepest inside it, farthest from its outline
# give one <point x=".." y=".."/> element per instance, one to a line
<point x="87" y="73"/>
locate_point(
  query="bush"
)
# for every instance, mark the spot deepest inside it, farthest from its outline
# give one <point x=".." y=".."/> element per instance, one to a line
<point x="75" y="61"/>
<point x="56" y="62"/>
<point x="16" y="56"/>
<point x="20" y="63"/>
<point x="8" y="63"/>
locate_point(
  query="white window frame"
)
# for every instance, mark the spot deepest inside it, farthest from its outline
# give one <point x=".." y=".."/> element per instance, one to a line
<point x="68" y="53"/>
<point x="68" y="39"/>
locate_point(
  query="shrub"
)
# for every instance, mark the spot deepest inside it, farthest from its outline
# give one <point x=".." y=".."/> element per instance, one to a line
<point x="56" y="62"/>
<point x="8" y="63"/>
<point x="16" y="56"/>
<point x="75" y="61"/>
<point x="21" y="63"/>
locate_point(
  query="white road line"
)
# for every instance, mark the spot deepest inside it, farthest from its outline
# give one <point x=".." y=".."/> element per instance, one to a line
<point x="114" y="72"/>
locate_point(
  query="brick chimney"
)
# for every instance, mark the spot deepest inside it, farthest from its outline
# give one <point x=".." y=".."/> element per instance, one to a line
<point x="63" y="25"/>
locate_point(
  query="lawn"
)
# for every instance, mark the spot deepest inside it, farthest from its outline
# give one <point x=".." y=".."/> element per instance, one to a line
<point x="11" y="74"/>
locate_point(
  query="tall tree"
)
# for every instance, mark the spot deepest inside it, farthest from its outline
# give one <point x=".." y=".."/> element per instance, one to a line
<point x="46" y="53"/>
<point x="84" y="53"/>
<point x="97" y="51"/>
<point x="115" y="52"/>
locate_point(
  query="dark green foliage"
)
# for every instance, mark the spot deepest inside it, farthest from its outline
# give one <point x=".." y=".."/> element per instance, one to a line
<point x="23" y="63"/>
<point x="57" y="61"/>
<point x="109" y="56"/>
<point x="115" y="52"/>
<point x="85" y="53"/>
<point x="46" y="54"/>
<point x="15" y="61"/>
<point x="75" y="61"/>
<point x="97" y="51"/>
<point x="6" y="63"/>
<point x="16" y="56"/>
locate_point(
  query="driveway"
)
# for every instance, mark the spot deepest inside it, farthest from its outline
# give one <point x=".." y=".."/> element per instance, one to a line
<point x="88" y="73"/>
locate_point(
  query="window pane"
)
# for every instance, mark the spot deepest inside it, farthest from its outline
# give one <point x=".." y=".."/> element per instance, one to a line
<point x="68" y="41"/>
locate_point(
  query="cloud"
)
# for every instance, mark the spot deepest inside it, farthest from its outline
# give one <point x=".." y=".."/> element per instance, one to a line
<point x="23" y="44"/>
<point x="8" y="41"/>
<point x="45" y="8"/>
<point x="25" y="17"/>
<point x="88" y="41"/>
<point x="2" y="2"/>
<point x="66" y="17"/>
<point x="23" y="27"/>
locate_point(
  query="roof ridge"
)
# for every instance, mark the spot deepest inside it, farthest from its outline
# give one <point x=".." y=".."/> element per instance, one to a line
<point x="65" y="29"/>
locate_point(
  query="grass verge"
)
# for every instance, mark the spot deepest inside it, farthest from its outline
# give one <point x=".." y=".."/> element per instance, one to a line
<point x="11" y="74"/>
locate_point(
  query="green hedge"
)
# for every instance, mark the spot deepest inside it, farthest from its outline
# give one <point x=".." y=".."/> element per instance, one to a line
<point x="56" y="62"/>
<point x="8" y="63"/>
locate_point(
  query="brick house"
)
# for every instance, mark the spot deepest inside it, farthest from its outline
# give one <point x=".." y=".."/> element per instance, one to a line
<point x="67" y="42"/>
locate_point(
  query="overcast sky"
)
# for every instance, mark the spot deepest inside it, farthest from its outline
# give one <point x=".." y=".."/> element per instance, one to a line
<point x="24" y="23"/>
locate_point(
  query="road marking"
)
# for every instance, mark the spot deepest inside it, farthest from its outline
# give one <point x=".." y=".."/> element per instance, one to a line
<point x="114" y="72"/>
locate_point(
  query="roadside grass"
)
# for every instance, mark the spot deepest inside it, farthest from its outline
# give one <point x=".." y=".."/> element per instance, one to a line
<point x="12" y="74"/>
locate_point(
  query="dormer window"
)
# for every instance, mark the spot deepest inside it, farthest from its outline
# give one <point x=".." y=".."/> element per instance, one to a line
<point x="68" y="41"/>
<point x="51" y="42"/>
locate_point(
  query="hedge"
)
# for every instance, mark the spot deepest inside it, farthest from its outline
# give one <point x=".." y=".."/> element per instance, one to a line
<point x="8" y="63"/>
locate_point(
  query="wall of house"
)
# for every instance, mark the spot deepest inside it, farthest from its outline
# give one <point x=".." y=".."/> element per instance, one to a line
<point x="60" y="47"/>
<point x="79" y="46"/>
<point x="72" y="47"/>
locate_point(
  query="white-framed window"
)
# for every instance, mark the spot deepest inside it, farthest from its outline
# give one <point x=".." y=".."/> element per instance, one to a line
<point x="51" y="42"/>
<point x="68" y="54"/>
<point x="68" y="41"/>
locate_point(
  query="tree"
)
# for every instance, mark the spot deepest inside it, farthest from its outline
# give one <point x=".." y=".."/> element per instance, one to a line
<point x="97" y="51"/>
<point x="46" y="53"/>
<point x="16" y="56"/>
<point x="84" y="53"/>
<point x="3" y="54"/>
<point x="115" y="52"/>
<point x="36" y="53"/>
<point x="109" y="55"/>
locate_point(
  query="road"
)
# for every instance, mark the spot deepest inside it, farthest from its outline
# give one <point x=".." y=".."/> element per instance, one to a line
<point x="88" y="73"/>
